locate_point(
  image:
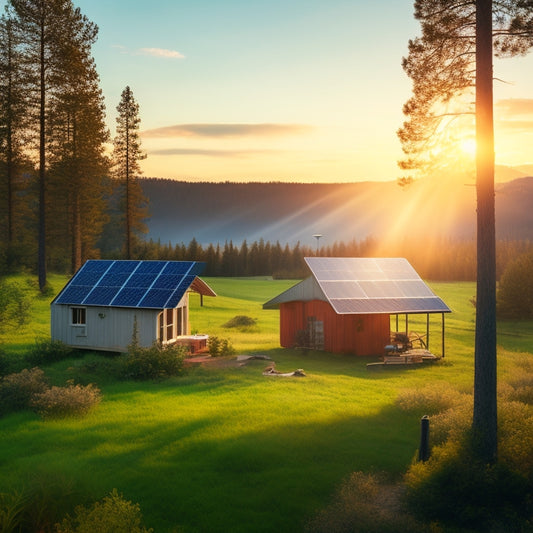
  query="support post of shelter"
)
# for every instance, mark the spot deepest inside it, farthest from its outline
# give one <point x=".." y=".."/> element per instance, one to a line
<point x="427" y="331"/>
<point x="443" y="335"/>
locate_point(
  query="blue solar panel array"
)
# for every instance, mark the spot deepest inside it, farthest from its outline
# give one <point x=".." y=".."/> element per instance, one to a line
<point x="142" y="284"/>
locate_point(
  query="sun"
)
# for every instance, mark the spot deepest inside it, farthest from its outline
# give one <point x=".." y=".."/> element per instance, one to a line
<point x="468" y="146"/>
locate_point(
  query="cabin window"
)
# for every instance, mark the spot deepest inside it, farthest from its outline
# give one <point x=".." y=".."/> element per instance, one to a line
<point x="78" y="316"/>
<point x="169" y="324"/>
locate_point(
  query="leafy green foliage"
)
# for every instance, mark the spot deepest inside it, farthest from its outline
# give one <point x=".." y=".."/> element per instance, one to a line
<point x="156" y="362"/>
<point x="515" y="291"/>
<point x="12" y="506"/>
<point x="47" y="351"/>
<point x="218" y="347"/>
<point x="17" y="390"/>
<point x="61" y="402"/>
<point x="15" y="305"/>
<point x="5" y="363"/>
<point x="456" y="490"/>
<point x="114" y="514"/>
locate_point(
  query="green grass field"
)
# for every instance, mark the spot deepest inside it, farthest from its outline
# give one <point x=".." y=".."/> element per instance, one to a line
<point x="225" y="449"/>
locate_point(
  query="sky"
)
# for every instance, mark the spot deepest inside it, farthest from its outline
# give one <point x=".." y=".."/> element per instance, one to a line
<point x="277" y="90"/>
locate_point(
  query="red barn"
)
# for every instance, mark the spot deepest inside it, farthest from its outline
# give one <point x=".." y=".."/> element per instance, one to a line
<point x="345" y="306"/>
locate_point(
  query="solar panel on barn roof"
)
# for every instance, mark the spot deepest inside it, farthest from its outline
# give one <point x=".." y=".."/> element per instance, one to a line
<point x="142" y="284"/>
<point x="373" y="285"/>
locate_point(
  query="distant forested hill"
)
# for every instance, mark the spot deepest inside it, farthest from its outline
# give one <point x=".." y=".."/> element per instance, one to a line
<point x="292" y="212"/>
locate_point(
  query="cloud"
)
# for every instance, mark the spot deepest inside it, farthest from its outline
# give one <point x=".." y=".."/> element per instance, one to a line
<point x="210" y="153"/>
<point x="515" y="125"/>
<point x="161" y="52"/>
<point x="515" y="106"/>
<point x="153" y="52"/>
<point x="228" y="130"/>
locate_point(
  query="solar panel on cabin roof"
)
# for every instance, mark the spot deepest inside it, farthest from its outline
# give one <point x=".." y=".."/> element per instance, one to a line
<point x="143" y="284"/>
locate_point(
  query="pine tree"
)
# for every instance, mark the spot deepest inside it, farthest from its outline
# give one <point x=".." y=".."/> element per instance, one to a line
<point x="79" y="164"/>
<point x="49" y="31"/>
<point x="127" y="155"/>
<point x="452" y="59"/>
<point x="11" y="112"/>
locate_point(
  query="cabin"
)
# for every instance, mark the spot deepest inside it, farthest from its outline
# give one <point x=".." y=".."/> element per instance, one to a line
<point x="346" y="305"/>
<point x="106" y="301"/>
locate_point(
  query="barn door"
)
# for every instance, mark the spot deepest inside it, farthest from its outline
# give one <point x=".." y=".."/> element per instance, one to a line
<point x="315" y="331"/>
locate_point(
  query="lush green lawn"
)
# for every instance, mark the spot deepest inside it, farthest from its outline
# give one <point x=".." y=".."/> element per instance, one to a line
<point x="225" y="448"/>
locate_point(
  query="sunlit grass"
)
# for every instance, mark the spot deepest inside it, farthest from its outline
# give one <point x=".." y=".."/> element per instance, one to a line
<point x="225" y="448"/>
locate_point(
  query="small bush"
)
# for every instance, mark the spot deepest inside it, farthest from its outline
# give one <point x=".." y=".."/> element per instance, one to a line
<point x="515" y="424"/>
<point x="365" y="504"/>
<point x="241" y="322"/>
<point x="15" y="305"/>
<point x="17" y="390"/>
<point x="219" y="347"/>
<point x="48" y="351"/>
<point x="429" y="400"/>
<point x="61" y="402"/>
<point x="515" y="290"/>
<point x="456" y="491"/>
<point x="114" y="514"/>
<point x="156" y="362"/>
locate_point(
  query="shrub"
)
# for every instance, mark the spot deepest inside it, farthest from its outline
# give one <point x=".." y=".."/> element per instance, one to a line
<point x="14" y="305"/>
<point x="12" y="507"/>
<point x="155" y="362"/>
<point x="17" y="390"/>
<point x="61" y="402"/>
<point x="47" y="351"/>
<point x="114" y="514"/>
<point x="5" y="363"/>
<point x="515" y="422"/>
<point x="455" y="490"/>
<point x="429" y="400"/>
<point x="241" y="322"/>
<point x="365" y="504"/>
<point x="515" y="291"/>
<point x="219" y="347"/>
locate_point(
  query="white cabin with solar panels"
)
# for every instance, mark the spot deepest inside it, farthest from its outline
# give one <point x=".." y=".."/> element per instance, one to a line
<point x="346" y="305"/>
<point x="105" y="300"/>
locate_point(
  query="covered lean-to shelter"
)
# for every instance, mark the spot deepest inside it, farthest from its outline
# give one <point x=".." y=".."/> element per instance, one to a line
<point x="346" y="305"/>
<point x="106" y="300"/>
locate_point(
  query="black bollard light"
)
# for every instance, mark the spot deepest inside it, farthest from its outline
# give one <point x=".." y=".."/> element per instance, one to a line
<point x="423" y="451"/>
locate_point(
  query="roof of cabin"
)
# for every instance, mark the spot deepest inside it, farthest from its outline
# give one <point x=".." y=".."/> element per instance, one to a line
<point x="364" y="285"/>
<point x="138" y="284"/>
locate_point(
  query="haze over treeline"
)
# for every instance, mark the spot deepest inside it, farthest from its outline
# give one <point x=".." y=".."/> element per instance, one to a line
<point x="294" y="212"/>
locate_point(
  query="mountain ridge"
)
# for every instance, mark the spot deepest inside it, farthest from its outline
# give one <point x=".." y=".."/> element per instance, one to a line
<point x="214" y="212"/>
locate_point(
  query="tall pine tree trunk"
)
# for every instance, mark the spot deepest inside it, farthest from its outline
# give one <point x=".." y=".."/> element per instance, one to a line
<point x="485" y="400"/>
<point x="76" y="234"/>
<point x="41" y="261"/>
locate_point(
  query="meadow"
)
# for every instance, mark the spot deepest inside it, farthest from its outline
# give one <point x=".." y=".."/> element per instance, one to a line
<point x="224" y="448"/>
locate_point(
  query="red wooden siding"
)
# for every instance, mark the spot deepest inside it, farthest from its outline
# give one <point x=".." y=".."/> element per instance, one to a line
<point x="355" y="334"/>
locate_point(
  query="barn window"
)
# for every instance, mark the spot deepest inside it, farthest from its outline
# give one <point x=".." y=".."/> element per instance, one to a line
<point x="78" y="316"/>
